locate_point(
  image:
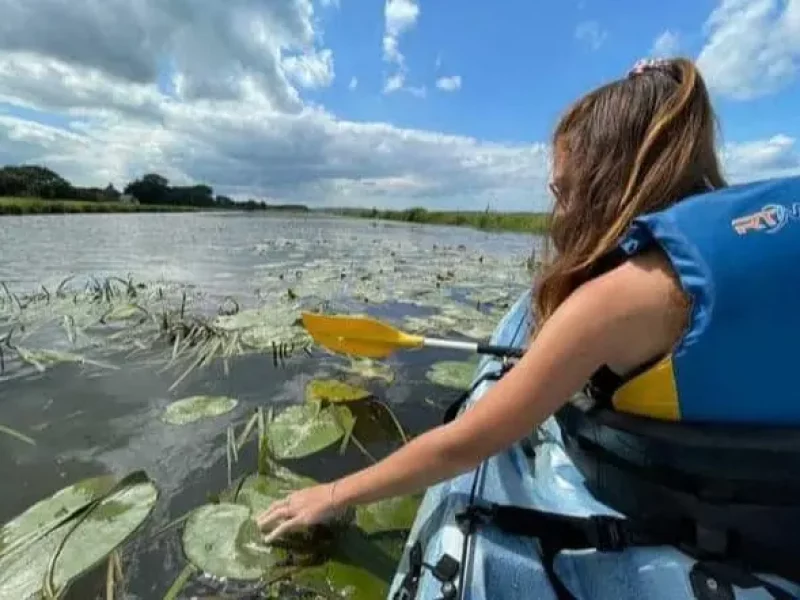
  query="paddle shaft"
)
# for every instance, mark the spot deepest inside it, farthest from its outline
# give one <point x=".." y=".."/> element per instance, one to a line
<point x="499" y="351"/>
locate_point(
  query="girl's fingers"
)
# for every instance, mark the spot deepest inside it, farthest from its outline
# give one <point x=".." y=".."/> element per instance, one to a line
<point x="284" y="527"/>
<point x="272" y="516"/>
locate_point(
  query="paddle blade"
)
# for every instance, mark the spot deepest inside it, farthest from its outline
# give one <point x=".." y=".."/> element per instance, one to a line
<point x="359" y="336"/>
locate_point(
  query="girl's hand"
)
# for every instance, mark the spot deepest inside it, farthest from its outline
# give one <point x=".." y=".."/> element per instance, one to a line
<point x="297" y="510"/>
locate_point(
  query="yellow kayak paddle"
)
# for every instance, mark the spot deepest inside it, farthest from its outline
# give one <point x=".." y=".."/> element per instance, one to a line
<point x="368" y="337"/>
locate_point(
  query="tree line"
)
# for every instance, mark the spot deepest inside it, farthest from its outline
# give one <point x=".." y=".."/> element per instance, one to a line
<point x="35" y="181"/>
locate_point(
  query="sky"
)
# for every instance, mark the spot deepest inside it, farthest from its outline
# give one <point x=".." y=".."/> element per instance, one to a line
<point x="375" y="103"/>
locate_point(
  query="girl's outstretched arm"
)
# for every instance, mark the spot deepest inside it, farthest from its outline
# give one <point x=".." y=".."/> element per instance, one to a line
<point x="623" y="318"/>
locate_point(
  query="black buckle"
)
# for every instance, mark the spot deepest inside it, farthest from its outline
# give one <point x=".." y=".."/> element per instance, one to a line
<point x="607" y="534"/>
<point x="473" y="515"/>
<point x="408" y="587"/>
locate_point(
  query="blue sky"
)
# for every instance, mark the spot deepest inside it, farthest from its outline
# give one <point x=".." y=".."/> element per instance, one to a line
<point x="389" y="103"/>
<point x="520" y="64"/>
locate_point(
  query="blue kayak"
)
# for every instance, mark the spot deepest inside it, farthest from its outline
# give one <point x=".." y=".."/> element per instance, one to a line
<point x="492" y="564"/>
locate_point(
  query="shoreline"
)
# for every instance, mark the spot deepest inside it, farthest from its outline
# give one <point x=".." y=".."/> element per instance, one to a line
<point x="34" y="206"/>
<point x="534" y="223"/>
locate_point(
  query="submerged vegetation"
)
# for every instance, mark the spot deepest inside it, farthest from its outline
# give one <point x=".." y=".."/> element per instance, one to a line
<point x="105" y="323"/>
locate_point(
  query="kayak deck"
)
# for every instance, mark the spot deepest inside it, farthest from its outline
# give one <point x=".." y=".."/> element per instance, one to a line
<point x="500" y="566"/>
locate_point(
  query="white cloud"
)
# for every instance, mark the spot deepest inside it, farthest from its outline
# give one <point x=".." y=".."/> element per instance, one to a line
<point x="218" y="50"/>
<point x="311" y="70"/>
<point x="591" y="33"/>
<point x="773" y="157"/>
<point x="234" y="123"/>
<point x="394" y="83"/>
<point x="400" y="16"/>
<point x="753" y="47"/>
<point x="449" y="84"/>
<point x="666" y="45"/>
<point x="353" y="83"/>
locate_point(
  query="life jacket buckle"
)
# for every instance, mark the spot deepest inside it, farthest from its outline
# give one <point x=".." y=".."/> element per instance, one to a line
<point x="607" y="534"/>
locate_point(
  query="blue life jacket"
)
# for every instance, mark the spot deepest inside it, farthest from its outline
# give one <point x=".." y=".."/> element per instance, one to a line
<point x="736" y="251"/>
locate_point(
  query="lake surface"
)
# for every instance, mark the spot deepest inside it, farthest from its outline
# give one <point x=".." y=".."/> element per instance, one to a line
<point x="92" y="421"/>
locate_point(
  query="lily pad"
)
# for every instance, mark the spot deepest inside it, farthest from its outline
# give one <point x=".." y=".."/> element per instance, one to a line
<point x="48" y="513"/>
<point x="67" y="535"/>
<point x="304" y="429"/>
<point x="331" y="390"/>
<point x="194" y="408"/>
<point x="453" y="374"/>
<point x="258" y="492"/>
<point x="391" y="514"/>
<point x="368" y="369"/>
<point x="223" y="540"/>
<point x="360" y="568"/>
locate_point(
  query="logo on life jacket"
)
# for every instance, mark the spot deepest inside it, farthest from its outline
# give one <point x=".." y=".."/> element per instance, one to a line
<point x="770" y="219"/>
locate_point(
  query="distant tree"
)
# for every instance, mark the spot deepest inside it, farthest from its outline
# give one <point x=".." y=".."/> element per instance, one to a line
<point x="33" y="180"/>
<point x="224" y="201"/>
<point x="111" y="193"/>
<point x="150" y="189"/>
<point x="416" y="215"/>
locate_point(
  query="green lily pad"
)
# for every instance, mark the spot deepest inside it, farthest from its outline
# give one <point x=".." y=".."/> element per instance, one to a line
<point x="453" y="374"/>
<point x="391" y="514"/>
<point x="223" y="540"/>
<point x="360" y="568"/>
<point x="194" y="408"/>
<point x="58" y="532"/>
<point x="304" y="429"/>
<point x="48" y="513"/>
<point x="368" y="369"/>
<point x="258" y="492"/>
<point x="331" y="390"/>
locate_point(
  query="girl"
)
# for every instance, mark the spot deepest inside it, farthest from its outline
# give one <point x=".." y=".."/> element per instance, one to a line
<point x="632" y="147"/>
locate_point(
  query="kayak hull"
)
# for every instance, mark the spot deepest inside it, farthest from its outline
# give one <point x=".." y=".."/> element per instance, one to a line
<point x="500" y="566"/>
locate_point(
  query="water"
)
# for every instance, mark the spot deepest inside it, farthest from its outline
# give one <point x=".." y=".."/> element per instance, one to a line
<point x="88" y="422"/>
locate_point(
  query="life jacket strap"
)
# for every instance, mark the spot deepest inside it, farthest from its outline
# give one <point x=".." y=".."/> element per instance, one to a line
<point x="452" y="411"/>
<point x="556" y="532"/>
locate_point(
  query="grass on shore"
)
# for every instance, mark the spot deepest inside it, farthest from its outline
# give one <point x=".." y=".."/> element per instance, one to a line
<point x="38" y="206"/>
<point x="521" y="222"/>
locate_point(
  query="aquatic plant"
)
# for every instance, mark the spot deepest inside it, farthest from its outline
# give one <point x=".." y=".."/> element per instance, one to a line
<point x="366" y="368"/>
<point x="194" y="408"/>
<point x="332" y="390"/>
<point x="55" y="541"/>
<point x="105" y="321"/>
<point x="452" y="374"/>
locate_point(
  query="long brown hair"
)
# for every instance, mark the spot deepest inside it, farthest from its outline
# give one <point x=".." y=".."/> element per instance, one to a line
<point x="633" y="146"/>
